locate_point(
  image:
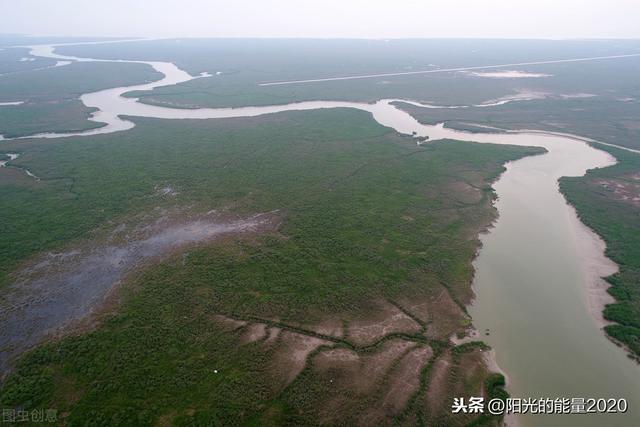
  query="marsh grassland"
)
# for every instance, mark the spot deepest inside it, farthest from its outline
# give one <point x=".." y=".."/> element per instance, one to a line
<point x="344" y="312"/>
<point x="298" y="268"/>
<point x="50" y="96"/>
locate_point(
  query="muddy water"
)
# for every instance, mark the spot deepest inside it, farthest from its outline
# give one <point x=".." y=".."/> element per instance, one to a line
<point x="538" y="276"/>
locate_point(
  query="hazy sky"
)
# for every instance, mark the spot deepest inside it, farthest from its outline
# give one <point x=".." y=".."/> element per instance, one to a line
<point x="325" y="18"/>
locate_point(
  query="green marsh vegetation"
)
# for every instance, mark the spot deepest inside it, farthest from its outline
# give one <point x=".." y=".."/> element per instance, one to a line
<point x="71" y="81"/>
<point x="51" y="95"/>
<point x="17" y="60"/>
<point x="68" y="115"/>
<point x="87" y="181"/>
<point x="365" y="214"/>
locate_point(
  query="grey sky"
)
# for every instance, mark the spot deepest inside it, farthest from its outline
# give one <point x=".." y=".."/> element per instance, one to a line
<point x="325" y="18"/>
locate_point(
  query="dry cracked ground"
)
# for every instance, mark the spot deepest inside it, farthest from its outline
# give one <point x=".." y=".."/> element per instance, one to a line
<point x="393" y="363"/>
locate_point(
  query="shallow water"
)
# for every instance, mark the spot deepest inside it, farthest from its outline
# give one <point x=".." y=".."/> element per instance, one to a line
<point x="509" y="74"/>
<point x="11" y="157"/>
<point x="63" y="288"/>
<point x="537" y="274"/>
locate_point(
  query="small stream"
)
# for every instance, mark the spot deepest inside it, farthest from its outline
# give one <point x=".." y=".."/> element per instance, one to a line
<point x="12" y="157"/>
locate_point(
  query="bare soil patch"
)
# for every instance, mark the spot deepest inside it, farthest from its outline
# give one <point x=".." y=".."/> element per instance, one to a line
<point x="60" y="290"/>
<point x="376" y="371"/>
<point x="445" y="317"/>
<point x="625" y="190"/>
<point x="437" y="391"/>
<point x="254" y="332"/>
<point x="291" y="356"/>
<point x="405" y="380"/>
<point x="382" y="318"/>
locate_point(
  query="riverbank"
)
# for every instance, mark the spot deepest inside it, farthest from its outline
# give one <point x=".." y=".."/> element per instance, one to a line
<point x="607" y="201"/>
<point x="611" y="194"/>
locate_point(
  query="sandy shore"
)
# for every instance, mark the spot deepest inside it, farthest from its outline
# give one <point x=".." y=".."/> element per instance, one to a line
<point x="489" y="358"/>
<point x="596" y="266"/>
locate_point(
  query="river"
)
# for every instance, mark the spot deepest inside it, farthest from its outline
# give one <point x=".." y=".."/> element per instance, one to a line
<point x="538" y="285"/>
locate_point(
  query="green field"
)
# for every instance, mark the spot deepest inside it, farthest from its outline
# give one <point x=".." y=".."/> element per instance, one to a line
<point x="297" y="324"/>
<point x="55" y="116"/>
<point x="366" y="215"/>
<point x="18" y="60"/>
<point x="51" y="95"/>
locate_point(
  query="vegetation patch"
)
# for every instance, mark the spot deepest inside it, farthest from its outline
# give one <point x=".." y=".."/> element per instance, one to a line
<point x="51" y="96"/>
<point x="368" y="224"/>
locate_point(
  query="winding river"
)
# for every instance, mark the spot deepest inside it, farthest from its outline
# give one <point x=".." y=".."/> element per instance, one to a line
<point x="538" y="275"/>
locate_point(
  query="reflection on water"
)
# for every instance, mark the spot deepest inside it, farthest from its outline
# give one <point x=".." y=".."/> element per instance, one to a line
<point x="537" y="274"/>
